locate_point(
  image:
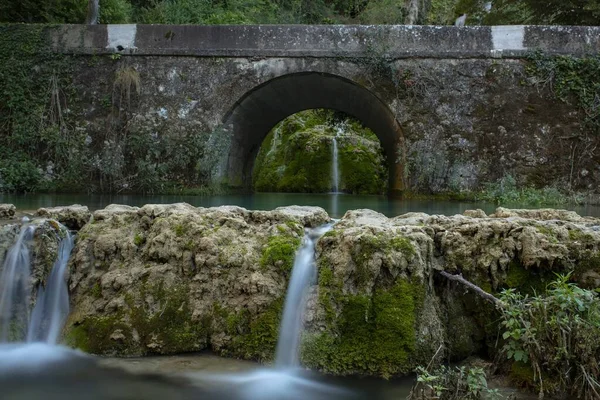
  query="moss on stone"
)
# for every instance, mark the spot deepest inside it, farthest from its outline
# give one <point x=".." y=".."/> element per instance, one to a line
<point x="93" y="335"/>
<point x="280" y="250"/>
<point x="165" y="331"/>
<point x="139" y="239"/>
<point x="374" y="336"/>
<point x="526" y="280"/>
<point x="96" y="290"/>
<point x="170" y="330"/>
<point x="296" y="156"/>
<point x="179" y="230"/>
<point x="256" y="338"/>
<point x="363" y="251"/>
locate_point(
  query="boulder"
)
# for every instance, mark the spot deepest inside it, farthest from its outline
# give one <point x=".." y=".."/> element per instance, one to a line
<point x="7" y="211"/>
<point x="73" y="217"/>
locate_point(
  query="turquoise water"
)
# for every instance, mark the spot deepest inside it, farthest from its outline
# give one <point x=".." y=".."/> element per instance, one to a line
<point x="335" y="204"/>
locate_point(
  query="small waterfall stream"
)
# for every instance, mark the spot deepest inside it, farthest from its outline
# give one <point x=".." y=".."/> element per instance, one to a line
<point x="303" y="274"/>
<point x="335" y="173"/>
<point x="52" y="304"/>
<point x="15" y="286"/>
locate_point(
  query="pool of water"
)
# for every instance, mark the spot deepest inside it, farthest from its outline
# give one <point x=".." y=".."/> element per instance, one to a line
<point x="335" y="204"/>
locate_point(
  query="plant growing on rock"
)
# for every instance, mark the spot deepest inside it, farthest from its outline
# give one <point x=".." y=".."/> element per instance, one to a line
<point x="555" y="335"/>
<point x="446" y="383"/>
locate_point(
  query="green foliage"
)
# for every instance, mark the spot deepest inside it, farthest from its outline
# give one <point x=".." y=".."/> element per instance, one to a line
<point x="555" y="333"/>
<point x="452" y="383"/>
<point x="36" y="140"/>
<point x="115" y="11"/>
<point x="572" y="80"/>
<point x="374" y="336"/>
<point x="506" y="192"/>
<point x="443" y="12"/>
<point x="296" y="156"/>
<point x="565" y="12"/>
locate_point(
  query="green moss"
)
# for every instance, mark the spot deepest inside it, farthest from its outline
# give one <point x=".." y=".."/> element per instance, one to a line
<point x="526" y="280"/>
<point x="373" y="335"/>
<point x="92" y="335"/>
<point x="577" y="235"/>
<point x="139" y="239"/>
<point x="96" y="290"/>
<point x="369" y="244"/>
<point x="179" y="230"/>
<point x="258" y="337"/>
<point x="169" y="329"/>
<point x="296" y="157"/>
<point x="172" y="327"/>
<point x="404" y="246"/>
<point x="280" y="248"/>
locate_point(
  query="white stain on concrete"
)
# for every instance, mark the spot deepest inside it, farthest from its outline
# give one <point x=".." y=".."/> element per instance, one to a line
<point x="508" y="37"/>
<point x="121" y="37"/>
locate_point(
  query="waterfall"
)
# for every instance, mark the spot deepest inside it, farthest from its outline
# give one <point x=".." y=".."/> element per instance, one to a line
<point x="335" y="174"/>
<point x="334" y="166"/>
<point x="303" y="274"/>
<point x="15" y="287"/>
<point x="52" y="304"/>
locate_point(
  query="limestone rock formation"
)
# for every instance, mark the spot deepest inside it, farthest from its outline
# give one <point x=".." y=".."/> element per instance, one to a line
<point x="165" y="279"/>
<point x="174" y="278"/>
<point x="74" y="216"/>
<point x="7" y="211"/>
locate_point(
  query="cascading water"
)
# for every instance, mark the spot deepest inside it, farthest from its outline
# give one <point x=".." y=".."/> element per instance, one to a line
<point x="286" y="381"/>
<point x="303" y="273"/>
<point x="15" y="287"/>
<point x="335" y="174"/>
<point x="52" y="305"/>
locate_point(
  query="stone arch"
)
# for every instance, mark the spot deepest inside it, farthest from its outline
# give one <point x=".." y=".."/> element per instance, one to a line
<point x="251" y="118"/>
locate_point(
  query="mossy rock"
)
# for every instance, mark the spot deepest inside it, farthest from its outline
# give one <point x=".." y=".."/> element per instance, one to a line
<point x="280" y="252"/>
<point x="373" y="335"/>
<point x="136" y="331"/>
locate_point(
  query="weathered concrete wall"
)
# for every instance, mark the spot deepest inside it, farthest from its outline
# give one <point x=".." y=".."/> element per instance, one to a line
<point x="453" y="107"/>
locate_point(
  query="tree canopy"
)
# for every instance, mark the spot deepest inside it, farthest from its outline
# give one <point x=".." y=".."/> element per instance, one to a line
<point x="439" y="12"/>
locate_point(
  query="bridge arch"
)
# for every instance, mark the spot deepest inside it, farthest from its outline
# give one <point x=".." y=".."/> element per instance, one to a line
<point x="252" y="117"/>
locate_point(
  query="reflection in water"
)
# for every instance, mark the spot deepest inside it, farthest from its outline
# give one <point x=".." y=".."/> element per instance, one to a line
<point x="335" y="204"/>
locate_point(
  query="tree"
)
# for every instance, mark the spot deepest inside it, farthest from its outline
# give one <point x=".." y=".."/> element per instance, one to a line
<point x="566" y="12"/>
<point x="93" y="12"/>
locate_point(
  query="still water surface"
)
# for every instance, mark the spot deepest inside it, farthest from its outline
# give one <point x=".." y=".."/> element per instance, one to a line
<point x="335" y="204"/>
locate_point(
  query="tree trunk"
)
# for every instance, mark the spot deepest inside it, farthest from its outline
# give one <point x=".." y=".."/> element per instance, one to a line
<point x="93" y="12"/>
<point x="413" y="12"/>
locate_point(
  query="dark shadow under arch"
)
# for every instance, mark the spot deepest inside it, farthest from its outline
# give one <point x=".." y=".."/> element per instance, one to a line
<point x="252" y="117"/>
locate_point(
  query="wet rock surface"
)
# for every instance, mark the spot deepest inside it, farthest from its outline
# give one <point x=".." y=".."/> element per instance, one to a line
<point x="7" y="211"/>
<point x="165" y="279"/>
<point x="74" y="216"/>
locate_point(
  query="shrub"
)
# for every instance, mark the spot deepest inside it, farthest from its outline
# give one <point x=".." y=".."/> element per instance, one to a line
<point x="447" y="383"/>
<point x="555" y="335"/>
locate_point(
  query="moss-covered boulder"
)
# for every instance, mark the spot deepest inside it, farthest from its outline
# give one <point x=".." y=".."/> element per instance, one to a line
<point x="297" y="156"/>
<point x="166" y="279"/>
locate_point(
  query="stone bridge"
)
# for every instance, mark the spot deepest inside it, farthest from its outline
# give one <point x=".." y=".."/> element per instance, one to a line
<point x="453" y="107"/>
